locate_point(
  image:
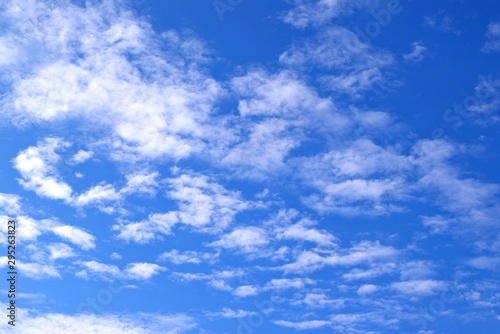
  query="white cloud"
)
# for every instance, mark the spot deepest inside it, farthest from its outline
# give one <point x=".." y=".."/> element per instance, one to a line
<point x="417" y="54"/>
<point x="81" y="156"/>
<point x="276" y="110"/>
<point x="246" y="239"/>
<point x="142" y="183"/>
<point x="35" y="322"/>
<point x="367" y="289"/>
<point x="316" y="13"/>
<point x="218" y="280"/>
<point x="142" y="271"/>
<point x="287" y="283"/>
<point x="76" y="236"/>
<point x="493" y="38"/>
<point x="442" y="23"/>
<point x="321" y="300"/>
<point x="153" y="227"/>
<point x="419" y="287"/>
<point x="485" y="262"/>
<point x="60" y="251"/>
<point x="8" y="51"/>
<point x="349" y="66"/>
<point x="133" y="271"/>
<point x="228" y="313"/>
<point x="205" y="205"/>
<point x="303" y="231"/>
<point x="363" y="252"/>
<point x="38" y="271"/>
<point x="101" y="270"/>
<point x="36" y="165"/>
<point x="10" y="203"/>
<point x="281" y="94"/>
<point x="375" y="270"/>
<point x="264" y="152"/>
<point x="246" y="291"/>
<point x="99" y="194"/>
<point x="112" y="72"/>
<point x="362" y="178"/>
<point x="472" y="202"/>
<point x="177" y="257"/>
<point x="303" y="325"/>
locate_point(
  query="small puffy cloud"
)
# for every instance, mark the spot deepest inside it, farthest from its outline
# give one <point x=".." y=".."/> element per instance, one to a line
<point x="36" y="165"/>
<point x="205" y="205"/>
<point x="60" y="251"/>
<point x="367" y="289"/>
<point x="153" y="227"/>
<point x="133" y="271"/>
<point x="10" y="203"/>
<point x="141" y="183"/>
<point x="76" y="236"/>
<point x="81" y="156"/>
<point x="321" y="300"/>
<point x="303" y="231"/>
<point x="100" y="270"/>
<point x="142" y="271"/>
<point x="245" y="239"/>
<point x="417" y="54"/>
<point x="246" y="291"/>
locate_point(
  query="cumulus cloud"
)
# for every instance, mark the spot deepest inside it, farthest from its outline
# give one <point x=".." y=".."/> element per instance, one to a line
<point x="99" y="72"/>
<point x="81" y="156"/>
<point x="75" y="235"/>
<point x="10" y="203"/>
<point x="247" y="240"/>
<point x="153" y="227"/>
<point x="36" y="165"/>
<point x="133" y="271"/>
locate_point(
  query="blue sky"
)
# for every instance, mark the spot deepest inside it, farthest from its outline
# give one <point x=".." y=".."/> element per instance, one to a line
<point x="252" y="167"/>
